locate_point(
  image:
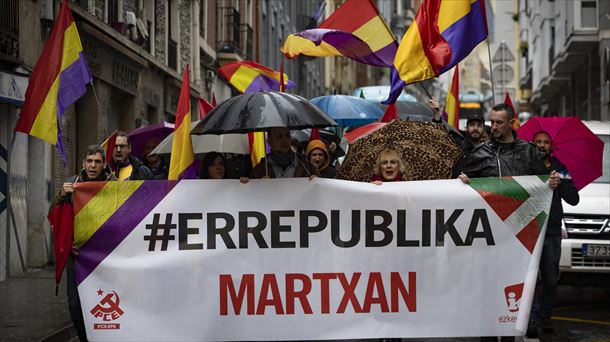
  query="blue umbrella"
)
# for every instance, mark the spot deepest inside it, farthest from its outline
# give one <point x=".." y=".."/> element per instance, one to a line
<point x="348" y="110"/>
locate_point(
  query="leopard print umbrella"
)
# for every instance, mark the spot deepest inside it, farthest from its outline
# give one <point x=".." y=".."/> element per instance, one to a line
<point x="427" y="149"/>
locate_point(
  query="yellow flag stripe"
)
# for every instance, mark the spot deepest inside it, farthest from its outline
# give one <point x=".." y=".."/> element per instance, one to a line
<point x="258" y="148"/>
<point x="295" y="45"/>
<point x="101" y="207"/>
<point x="182" y="149"/>
<point x="411" y="61"/>
<point x="452" y="11"/>
<point x="370" y="33"/>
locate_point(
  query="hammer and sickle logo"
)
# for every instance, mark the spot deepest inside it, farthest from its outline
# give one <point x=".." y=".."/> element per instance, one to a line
<point x="108" y="308"/>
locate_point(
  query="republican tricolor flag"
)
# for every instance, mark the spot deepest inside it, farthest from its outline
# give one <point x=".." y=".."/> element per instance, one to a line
<point x="181" y="164"/>
<point x="355" y="30"/>
<point x="248" y="77"/>
<point x="59" y="78"/>
<point x="444" y="32"/>
<point x="451" y="112"/>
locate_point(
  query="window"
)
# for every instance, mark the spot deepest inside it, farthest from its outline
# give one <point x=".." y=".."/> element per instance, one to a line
<point x="588" y="14"/>
<point x="113" y="11"/>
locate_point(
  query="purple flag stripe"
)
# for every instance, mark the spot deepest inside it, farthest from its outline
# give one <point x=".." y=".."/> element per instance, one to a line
<point x="462" y="44"/>
<point x="189" y="173"/>
<point x="72" y="84"/>
<point x="120" y="225"/>
<point x="268" y="84"/>
<point x="352" y="47"/>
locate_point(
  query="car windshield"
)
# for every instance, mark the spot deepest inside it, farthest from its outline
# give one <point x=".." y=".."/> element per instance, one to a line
<point x="605" y="178"/>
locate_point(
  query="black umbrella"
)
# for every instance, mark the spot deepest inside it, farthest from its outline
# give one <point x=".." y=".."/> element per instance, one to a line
<point x="262" y="111"/>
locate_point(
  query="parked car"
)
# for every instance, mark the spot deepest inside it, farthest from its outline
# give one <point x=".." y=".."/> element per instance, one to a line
<point x="585" y="247"/>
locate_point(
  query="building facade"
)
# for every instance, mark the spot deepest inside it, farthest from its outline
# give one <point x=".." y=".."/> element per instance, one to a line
<point x="565" y="51"/>
<point x="278" y="19"/>
<point x="137" y="51"/>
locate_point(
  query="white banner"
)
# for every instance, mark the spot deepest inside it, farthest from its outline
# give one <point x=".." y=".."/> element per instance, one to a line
<point x="305" y="260"/>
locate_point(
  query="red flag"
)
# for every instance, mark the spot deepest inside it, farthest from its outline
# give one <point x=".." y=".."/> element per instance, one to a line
<point x="109" y="146"/>
<point x="315" y="134"/>
<point x="508" y="102"/>
<point x="61" y="219"/>
<point x="213" y="100"/>
<point x="204" y="107"/>
<point x="282" y="84"/>
<point x="390" y="113"/>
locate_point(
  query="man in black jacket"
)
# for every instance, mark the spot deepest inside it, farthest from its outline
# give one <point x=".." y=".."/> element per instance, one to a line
<point x="505" y="155"/>
<point x="94" y="164"/>
<point x="475" y="127"/>
<point x="126" y="166"/>
<point x="544" y="299"/>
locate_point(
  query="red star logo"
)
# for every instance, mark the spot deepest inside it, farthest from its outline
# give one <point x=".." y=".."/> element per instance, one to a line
<point x="100" y="292"/>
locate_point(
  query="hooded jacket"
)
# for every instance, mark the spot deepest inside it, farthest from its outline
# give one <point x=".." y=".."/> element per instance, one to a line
<point x="326" y="171"/>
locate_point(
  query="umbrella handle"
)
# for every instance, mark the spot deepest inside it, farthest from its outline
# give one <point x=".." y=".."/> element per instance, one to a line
<point x="266" y="164"/>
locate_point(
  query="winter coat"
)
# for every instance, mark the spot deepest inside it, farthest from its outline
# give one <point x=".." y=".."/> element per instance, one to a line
<point x="78" y="178"/>
<point x="493" y="159"/>
<point x="303" y="168"/>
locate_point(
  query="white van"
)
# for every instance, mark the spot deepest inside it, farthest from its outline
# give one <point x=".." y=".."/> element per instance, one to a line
<point x="585" y="247"/>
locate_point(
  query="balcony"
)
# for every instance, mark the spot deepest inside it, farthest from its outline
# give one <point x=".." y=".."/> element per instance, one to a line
<point x="229" y="43"/>
<point x="9" y="32"/>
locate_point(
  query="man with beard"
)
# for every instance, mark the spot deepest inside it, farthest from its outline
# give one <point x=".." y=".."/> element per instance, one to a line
<point x="126" y="166"/>
<point x="475" y="129"/>
<point x="544" y="298"/>
<point x="282" y="162"/>
<point x="505" y="155"/>
<point x="94" y="163"/>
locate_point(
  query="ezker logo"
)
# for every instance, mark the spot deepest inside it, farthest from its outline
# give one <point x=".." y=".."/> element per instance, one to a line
<point x="513" y="296"/>
<point x="107" y="310"/>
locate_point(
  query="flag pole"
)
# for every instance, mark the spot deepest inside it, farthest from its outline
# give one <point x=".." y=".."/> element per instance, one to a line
<point x="425" y="90"/>
<point x="491" y="74"/>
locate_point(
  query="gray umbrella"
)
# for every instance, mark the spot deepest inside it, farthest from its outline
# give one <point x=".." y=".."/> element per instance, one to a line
<point x="261" y="111"/>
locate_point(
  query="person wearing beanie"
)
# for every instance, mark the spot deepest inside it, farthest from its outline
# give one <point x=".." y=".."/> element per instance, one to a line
<point x="317" y="154"/>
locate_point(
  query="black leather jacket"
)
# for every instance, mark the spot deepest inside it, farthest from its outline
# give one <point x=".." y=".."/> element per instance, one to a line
<point x="493" y="159"/>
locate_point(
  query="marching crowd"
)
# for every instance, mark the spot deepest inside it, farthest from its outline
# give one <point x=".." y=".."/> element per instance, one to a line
<point x="491" y="152"/>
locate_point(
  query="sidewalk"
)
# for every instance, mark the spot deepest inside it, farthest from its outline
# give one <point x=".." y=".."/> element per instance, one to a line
<point x="30" y="311"/>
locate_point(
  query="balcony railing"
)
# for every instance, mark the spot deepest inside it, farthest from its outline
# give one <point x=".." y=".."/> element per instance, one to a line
<point x="229" y="33"/>
<point x="9" y="30"/>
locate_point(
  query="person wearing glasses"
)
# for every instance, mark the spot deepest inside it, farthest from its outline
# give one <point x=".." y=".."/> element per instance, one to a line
<point x="125" y="166"/>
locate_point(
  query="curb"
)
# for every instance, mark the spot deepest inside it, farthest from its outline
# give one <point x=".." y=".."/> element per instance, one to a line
<point x="67" y="333"/>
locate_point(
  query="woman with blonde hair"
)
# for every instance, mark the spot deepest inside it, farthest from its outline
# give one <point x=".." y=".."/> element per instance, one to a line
<point x="389" y="167"/>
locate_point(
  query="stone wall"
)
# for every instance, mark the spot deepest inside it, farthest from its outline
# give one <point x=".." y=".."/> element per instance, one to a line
<point x="160" y="29"/>
<point x="99" y="9"/>
<point x="185" y="34"/>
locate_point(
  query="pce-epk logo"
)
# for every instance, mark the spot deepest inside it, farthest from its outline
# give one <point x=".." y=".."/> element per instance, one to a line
<point x="513" y="296"/>
<point x="107" y="310"/>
